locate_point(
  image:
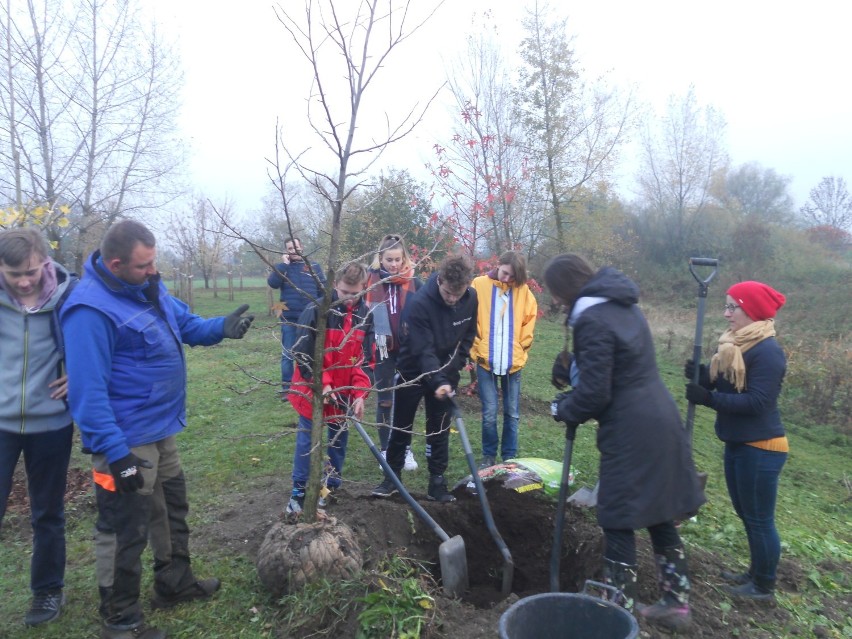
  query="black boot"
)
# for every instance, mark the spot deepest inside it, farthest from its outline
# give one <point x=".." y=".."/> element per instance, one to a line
<point x="752" y="590"/>
<point x="623" y="578"/>
<point x="672" y="610"/>
<point x="438" y="490"/>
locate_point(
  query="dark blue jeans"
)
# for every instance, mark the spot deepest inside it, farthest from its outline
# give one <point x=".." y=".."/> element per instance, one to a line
<point x="288" y="338"/>
<point x="338" y="436"/>
<point x="752" y="477"/>
<point x="46" y="458"/>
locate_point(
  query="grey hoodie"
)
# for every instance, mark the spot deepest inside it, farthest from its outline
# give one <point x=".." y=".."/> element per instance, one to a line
<point x="30" y="360"/>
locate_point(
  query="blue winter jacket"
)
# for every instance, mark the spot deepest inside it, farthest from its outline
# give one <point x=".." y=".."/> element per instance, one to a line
<point x="125" y="360"/>
<point x="752" y="415"/>
<point x="298" y="287"/>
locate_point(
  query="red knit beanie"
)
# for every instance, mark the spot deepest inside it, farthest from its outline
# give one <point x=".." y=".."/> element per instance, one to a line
<point x="759" y="301"/>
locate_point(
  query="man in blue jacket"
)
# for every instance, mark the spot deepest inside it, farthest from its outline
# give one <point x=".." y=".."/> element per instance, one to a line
<point x="127" y="392"/>
<point x="299" y="287"/>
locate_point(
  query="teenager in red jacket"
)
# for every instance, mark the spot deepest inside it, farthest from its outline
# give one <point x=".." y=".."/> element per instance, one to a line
<point x="345" y="382"/>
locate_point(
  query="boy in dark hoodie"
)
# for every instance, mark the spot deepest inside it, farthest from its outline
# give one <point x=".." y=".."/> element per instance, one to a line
<point x="437" y="329"/>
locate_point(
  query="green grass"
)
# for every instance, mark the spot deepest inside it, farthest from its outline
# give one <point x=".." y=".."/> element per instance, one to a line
<point x="237" y="438"/>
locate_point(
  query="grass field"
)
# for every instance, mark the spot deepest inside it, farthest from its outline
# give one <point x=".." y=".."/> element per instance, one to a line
<point x="237" y="438"/>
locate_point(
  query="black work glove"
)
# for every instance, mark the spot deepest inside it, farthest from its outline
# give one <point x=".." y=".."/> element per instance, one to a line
<point x="560" y="374"/>
<point x="558" y="407"/>
<point x="236" y="326"/>
<point x="128" y="474"/>
<point x="703" y="373"/>
<point x="699" y="395"/>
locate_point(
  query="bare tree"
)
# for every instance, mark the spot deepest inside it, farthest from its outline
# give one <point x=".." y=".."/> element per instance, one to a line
<point x="573" y="129"/>
<point x="680" y="158"/>
<point x="89" y="105"/>
<point x="829" y="204"/>
<point x="200" y="236"/>
<point x="351" y="47"/>
<point x="483" y="169"/>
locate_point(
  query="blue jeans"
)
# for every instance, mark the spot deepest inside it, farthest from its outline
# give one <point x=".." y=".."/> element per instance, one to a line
<point x="752" y="477"/>
<point x="337" y="439"/>
<point x="288" y="338"/>
<point x="46" y="458"/>
<point x="511" y="387"/>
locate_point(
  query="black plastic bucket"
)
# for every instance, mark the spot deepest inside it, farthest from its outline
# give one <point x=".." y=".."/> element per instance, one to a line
<point x="565" y="615"/>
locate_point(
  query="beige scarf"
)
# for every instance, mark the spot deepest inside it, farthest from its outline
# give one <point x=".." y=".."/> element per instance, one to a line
<point x="728" y="359"/>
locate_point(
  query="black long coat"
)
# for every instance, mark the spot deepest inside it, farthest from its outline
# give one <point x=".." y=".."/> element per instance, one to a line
<point x="647" y="475"/>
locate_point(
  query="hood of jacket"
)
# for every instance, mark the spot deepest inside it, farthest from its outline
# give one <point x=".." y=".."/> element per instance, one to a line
<point x="613" y="285"/>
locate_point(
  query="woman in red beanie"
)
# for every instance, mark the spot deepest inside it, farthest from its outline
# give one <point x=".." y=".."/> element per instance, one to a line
<point x="742" y="385"/>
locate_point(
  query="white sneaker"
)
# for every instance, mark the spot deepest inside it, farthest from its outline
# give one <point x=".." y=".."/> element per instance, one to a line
<point x="410" y="462"/>
<point x="295" y="505"/>
<point x="384" y="456"/>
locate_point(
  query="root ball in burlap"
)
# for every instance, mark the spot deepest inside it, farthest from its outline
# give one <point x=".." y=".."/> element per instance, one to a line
<point x="293" y="555"/>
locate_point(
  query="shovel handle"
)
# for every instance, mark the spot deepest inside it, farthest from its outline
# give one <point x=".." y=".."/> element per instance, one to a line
<point x="703" y="261"/>
<point x="399" y="486"/>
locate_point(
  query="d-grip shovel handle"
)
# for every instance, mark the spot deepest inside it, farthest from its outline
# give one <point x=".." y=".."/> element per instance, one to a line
<point x="703" y="261"/>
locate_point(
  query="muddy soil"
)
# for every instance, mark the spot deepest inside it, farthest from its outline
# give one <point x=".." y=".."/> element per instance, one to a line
<point x="525" y="522"/>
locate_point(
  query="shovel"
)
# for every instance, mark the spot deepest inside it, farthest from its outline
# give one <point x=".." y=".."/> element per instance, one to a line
<point x="699" y="325"/>
<point x="508" y="565"/>
<point x="556" y="551"/>
<point x="451" y="552"/>
<point x="703" y="285"/>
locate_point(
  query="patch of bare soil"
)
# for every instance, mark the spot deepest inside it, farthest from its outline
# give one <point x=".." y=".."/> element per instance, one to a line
<point x="525" y="522"/>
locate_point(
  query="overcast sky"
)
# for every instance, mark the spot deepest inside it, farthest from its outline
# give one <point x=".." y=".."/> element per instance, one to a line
<point x="778" y="72"/>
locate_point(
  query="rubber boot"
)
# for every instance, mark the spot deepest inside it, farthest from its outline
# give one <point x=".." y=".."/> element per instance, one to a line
<point x="623" y="578"/>
<point x="671" y="612"/>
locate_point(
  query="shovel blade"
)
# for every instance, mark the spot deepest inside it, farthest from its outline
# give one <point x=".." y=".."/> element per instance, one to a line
<point x="585" y="497"/>
<point x="453" y="566"/>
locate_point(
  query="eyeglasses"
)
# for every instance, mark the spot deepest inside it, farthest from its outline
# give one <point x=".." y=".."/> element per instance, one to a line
<point x="730" y="308"/>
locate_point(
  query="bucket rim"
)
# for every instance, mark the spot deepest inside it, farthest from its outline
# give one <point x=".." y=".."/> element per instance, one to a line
<point x="633" y="630"/>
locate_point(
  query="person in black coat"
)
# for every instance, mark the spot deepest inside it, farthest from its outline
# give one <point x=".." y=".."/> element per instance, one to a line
<point x="742" y="385"/>
<point x="436" y="331"/>
<point x="647" y="475"/>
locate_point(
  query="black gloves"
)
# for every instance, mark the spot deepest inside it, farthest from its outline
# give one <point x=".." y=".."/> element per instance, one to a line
<point x="697" y="394"/>
<point x="558" y="409"/>
<point x="127" y="473"/>
<point x="560" y="375"/>
<point x="703" y="373"/>
<point x="554" y="405"/>
<point x="236" y="326"/>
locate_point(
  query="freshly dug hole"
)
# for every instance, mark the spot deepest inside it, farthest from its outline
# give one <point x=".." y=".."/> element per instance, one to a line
<point x="293" y="555"/>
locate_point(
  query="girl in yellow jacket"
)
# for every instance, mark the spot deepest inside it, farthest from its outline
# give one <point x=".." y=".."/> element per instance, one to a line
<point x="505" y="326"/>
